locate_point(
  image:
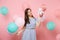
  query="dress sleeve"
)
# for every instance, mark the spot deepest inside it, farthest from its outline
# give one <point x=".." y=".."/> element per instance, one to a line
<point x="37" y="22"/>
<point x="41" y="19"/>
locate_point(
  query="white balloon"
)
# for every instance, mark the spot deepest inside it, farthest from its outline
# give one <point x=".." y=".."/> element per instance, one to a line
<point x="19" y="21"/>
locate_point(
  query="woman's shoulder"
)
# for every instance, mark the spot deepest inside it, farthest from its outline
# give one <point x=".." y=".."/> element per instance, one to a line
<point x="34" y="18"/>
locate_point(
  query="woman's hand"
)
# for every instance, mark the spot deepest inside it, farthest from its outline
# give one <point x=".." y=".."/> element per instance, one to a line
<point x="19" y="32"/>
<point x="40" y="12"/>
<point x="41" y="15"/>
<point x="22" y="30"/>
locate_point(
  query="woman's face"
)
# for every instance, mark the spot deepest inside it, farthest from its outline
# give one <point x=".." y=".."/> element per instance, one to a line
<point x="30" y="13"/>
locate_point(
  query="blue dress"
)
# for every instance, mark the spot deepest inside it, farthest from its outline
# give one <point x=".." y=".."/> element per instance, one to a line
<point x="29" y="33"/>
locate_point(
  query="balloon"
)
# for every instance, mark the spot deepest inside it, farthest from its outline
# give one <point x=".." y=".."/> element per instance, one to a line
<point x="4" y="11"/>
<point x="58" y="37"/>
<point x="0" y="10"/>
<point x="19" y="21"/>
<point x="57" y="14"/>
<point x="50" y="25"/>
<point x="12" y="27"/>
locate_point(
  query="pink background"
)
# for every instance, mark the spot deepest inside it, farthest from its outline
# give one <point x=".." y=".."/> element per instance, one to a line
<point x="16" y="7"/>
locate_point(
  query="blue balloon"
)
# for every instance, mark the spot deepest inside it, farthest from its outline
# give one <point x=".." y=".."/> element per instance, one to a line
<point x="12" y="27"/>
<point x="51" y="25"/>
<point x="4" y="11"/>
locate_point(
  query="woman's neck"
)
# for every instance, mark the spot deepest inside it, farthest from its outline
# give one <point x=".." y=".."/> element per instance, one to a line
<point x="30" y="17"/>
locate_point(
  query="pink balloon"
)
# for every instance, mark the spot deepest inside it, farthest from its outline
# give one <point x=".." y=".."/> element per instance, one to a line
<point x="58" y="37"/>
<point x="57" y="13"/>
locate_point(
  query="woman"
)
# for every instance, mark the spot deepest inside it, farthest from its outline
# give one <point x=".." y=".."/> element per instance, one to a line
<point x="28" y="29"/>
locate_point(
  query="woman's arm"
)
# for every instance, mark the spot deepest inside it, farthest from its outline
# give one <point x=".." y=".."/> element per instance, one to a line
<point x="22" y="30"/>
<point x="40" y="17"/>
<point x="38" y="22"/>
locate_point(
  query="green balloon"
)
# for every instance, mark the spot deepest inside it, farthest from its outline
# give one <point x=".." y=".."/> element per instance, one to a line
<point x="4" y="11"/>
<point x="12" y="27"/>
<point x="51" y="25"/>
<point x="0" y="10"/>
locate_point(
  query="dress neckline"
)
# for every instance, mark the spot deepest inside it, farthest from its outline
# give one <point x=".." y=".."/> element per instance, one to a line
<point x="31" y="18"/>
